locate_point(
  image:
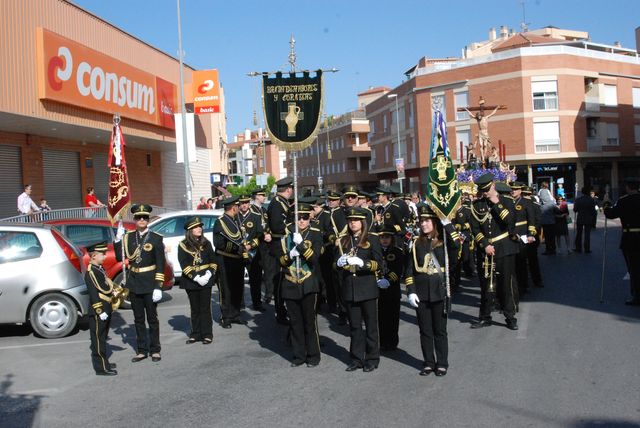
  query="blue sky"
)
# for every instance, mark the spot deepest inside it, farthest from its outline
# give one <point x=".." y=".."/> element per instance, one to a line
<point x="371" y="42"/>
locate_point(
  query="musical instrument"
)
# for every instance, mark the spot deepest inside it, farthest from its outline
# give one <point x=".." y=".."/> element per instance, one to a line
<point x="118" y="296"/>
<point x="489" y="266"/>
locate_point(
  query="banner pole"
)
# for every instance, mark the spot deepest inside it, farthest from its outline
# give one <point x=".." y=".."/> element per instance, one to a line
<point x="295" y="202"/>
<point x="604" y="259"/>
<point x="447" y="303"/>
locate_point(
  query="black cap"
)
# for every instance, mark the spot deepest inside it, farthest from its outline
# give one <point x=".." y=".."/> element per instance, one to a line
<point x="304" y="208"/>
<point x="192" y="223"/>
<point x="243" y="199"/>
<point x="332" y="195"/>
<point x="386" y="230"/>
<point x="309" y="200"/>
<point x="283" y="183"/>
<point x="517" y="185"/>
<point x="383" y="191"/>
<point x="356" y="212"/>
<point x="526" y="190"/>
<point x="229" y="201"/>
<point x="141" y="210"/>
<point x="395" y="189"/>
<point x="502" y="187"/>
<point x="98" y="246"/>
<point x="484" y="182"/>
<point x="350" y="191"/>
<point x="259" y="191"/>
<point x="425" y="211"/>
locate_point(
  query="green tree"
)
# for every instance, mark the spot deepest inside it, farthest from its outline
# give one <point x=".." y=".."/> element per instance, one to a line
<point x="246" y="189"/>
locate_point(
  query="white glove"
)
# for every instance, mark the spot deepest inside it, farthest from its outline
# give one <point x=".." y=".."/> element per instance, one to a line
<point x="355" y="261"/>
<point x="119" y="233"/>
<point x="342" y="260"/>
<point x="297" y="238"/>
<point x="157" y="295"/>
<point x="294" y="253"/>
<point x="208" y="275"/>
<point x="103" y="316"/>
<point x="445" y="221"/>
<point x="383" y="283"/>
<point x="200" y="279"/>
<point x="413" y="300"/>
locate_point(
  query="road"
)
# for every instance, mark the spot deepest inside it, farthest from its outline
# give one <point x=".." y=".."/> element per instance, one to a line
<point x="573" y="363"/>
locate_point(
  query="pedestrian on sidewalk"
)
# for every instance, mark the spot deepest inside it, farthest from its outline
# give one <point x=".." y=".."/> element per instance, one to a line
<point x="25" y="204"/>
<point x="562" y="224"/>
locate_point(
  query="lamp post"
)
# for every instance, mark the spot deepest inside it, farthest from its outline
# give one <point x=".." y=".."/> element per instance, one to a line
<point x="397" y="133"/>
<point x="183" y="107"/>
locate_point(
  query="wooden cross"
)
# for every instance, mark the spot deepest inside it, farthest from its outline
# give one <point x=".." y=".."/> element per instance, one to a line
<point x="481" y="107"/>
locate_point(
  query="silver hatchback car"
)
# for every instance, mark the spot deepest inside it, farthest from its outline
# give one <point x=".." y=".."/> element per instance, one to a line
<point x="41" y="279"/>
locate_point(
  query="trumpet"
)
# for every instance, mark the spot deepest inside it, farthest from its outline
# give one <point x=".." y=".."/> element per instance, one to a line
<point x="489" y="266"/>
<point x="118" y="296"/>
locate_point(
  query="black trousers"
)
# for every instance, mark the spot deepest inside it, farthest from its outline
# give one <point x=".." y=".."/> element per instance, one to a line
<point x="487" y="298"/>
<point x="365" y="343"/>
<point x="143" y="306"/>
<point x="432" y="322"/>
<point x="507" y="285"/>
<point x="255" y="279"/>
<point x="521" y="268"/>
<point x="98" y="331"/>
<point x="534" y="264"/>
<point x="329" y="290"/>
<point x="549" y="231"/>
<point x="587" y="236"/>
<point x="201" y="318"/>
<point x="231" y="287"/>
<point x="269" y="268"/>
<point x="304" y="329"/>
<point x="281" y="310"/>
<point x="389" y="316"/>
<point x="632" y="259"/>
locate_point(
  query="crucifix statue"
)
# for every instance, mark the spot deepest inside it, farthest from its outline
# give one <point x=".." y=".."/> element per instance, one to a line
<point x="483" y="142"/>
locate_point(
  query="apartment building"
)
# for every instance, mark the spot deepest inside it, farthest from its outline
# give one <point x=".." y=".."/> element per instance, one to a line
<point x="252" y="154"/>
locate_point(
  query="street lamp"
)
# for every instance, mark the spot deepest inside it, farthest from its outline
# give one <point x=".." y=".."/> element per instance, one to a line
<point x="397" y="133"/>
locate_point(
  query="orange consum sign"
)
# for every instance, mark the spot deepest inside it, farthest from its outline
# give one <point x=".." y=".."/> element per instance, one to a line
<point x="206" y="91"/>
<point x="71" y="73"/>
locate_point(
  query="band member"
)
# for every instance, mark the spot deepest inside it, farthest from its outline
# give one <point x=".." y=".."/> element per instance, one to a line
<point x="358" y="260"/>
<point x="267" y="262"/>
<point x="391" y="270"/>
<point x="232" y="257"/>
<point x="532" y="248"/>
<point x="100" y="290"/>
<point x="339" y="229"/>
<point x="145" y="251"/>
<point x="628" y="210"/>
<point x="199" y="267"/>
<point x="390" y="215"/>
<point x="462" y="224"/>
<point x="426" y="287"/>
<point x="298" y="255"/>
<point x="252" y="231"/>
<point x="525" y="230"/>
<point x="493" y="227"/>
<point x="351" y="195"/>
<point x="279" y="214"/>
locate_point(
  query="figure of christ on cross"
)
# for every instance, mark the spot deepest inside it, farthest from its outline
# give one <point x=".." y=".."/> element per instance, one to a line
<point x="483" y="142"/>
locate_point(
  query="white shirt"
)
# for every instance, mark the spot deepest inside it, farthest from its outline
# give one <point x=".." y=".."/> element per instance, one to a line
<point x="25" y="204"/>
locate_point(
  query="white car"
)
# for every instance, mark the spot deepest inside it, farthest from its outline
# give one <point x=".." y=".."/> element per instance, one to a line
<point x="171" y="227"/>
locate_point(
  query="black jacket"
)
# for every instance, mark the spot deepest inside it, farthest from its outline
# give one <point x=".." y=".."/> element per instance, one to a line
<point x="146" y="260"/>
<point x="307" y="280"/>
<point x="585" y="208"/>
<point x="196" y="262"/>
<point x="494" y="224"/>
<point x="628" y="209"/>
<point x="360" y="283"/>
<point x="100" y="290"/>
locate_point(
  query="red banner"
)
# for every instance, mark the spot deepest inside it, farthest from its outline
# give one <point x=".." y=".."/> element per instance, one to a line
<point x="119" y="198"/>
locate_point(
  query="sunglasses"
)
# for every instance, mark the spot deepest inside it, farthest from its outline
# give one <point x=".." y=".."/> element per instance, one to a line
<point x="352" y="197"/>
<point x="303" y="217"/>
<point x="138" y="218"/>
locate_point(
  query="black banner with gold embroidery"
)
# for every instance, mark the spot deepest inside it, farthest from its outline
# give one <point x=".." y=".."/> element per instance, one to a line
<point x="292" y="107"/>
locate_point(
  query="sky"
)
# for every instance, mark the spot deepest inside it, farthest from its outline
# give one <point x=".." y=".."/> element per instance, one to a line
<point x="372" y="42"/>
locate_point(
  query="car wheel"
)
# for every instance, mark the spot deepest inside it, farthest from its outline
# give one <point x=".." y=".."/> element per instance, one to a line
<point x="53" y="315"/>
<point x="126" y="304"/>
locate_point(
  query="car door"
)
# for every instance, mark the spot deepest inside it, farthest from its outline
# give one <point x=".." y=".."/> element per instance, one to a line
<point x="209" y="221"/>
<point x="172" y="231"/>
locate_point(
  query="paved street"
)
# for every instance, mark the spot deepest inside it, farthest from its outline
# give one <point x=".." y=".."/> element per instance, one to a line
<point x="573" y="363"/>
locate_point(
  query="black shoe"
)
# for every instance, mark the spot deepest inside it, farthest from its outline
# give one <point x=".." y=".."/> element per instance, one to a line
<point x="368" y="367"/>
<point x="207" y="341"/>
<point x="342" y="319"/>
<point x="238" y="321"/>
<point x="549" y="253"/>
<point x="155" y="357"/>
<point x="632" y="302"/>
<point x="258" y="307"/>
<point x="312" y="364"/>
<point x="539" y="285"/>
<point x="225" y="324"/>
<point x="106" y="373"/>
<point x="353" y="366"/>
<point x="283" y="320"/>
<point x="512" y="324"/>
<point x="267" y="300"/>
<point x="480" y="324"/>
<point x="296" y="363"/>
<point x="587" y="251"/>
<point x="191" y="341"/>
<point x="577" y="250"/>
<point x="441" y="371"/>
<point x="138" y="357"/>
<point x="426" y="371"/>
<point x="112" y="366"/>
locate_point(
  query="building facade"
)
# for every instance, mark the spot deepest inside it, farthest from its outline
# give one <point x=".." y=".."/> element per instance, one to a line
<point x="572" y="109"/>
<point x="252" y="154"/>
<point x="65" y="72"/>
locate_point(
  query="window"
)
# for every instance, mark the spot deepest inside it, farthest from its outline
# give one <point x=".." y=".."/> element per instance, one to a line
<point x="464" y="137"/>
<point x="636" y="97"/>
<point x="411" y="114"/>
<point x="401" y="116"/>
<point x="612" y="134"/>
<point x="83" y="235"/>
<point x="386" y="154"/>
<point x="384" y="123"/>
<point x="169" y="227"/>
<point x="592" y="127"/>
<point x="610" y="95"/>
<point x="545" y="95"/>
<point x="17" y="246"/>
<point x="372" y="126"/>
<point x="546" y="137"/>
<point x="637" y="131"/>
<point x="461" y="100"/>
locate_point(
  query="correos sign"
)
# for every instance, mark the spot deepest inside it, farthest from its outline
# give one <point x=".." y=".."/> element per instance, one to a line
<point x="71" y="73"/>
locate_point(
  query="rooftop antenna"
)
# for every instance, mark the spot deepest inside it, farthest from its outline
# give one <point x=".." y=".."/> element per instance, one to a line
<point x="524" y="25"/>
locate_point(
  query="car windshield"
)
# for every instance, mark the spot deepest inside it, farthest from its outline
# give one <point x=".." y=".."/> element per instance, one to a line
<point x="16" y="246"/>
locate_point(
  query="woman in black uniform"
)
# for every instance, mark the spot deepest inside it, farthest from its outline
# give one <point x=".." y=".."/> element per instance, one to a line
<point x="199" y="267"/>
<point x="358" y="259"/>
<point x="426" y="288"/>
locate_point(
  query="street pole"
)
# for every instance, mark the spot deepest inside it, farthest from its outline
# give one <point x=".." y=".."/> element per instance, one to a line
<point x="187" y="174"/>
<point x="397" y="133"/>
<point x="318" y="155"/>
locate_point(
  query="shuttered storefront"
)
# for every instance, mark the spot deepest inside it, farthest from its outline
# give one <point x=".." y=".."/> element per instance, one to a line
<point x="11" y="179"/>
<point x="62" y="185"/>
<point x="101" y="176"/>
<point x="173" y="188"/>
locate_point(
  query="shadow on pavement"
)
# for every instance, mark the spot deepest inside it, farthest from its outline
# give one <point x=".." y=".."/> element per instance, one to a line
<point x="18" y="410"/>
<point x="127" y="332"/>
<point x="269" y="334"/>
<point x="401" y="356"/>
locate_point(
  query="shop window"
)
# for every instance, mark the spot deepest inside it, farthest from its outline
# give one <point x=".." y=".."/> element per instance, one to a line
<point x="546" y="136"/>
<point x="545" y="95"/>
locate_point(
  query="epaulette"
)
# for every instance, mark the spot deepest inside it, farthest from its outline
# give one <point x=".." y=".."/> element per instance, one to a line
<point x="398" y="248"/>
<point x="315" y="228"/>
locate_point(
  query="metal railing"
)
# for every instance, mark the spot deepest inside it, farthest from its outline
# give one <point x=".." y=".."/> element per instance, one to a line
<point x="67" y="213"/>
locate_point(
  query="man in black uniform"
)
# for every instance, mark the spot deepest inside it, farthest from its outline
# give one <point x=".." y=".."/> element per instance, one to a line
<point x="390" y="215"/>
<point x="628" y="210"/>
<point x="526" y="231"/>
<point x="350" y="195"/>
<point x="267" y="261"/>
<point x="534" y="230"/>
<point x="391" y="270"/>
<point x="100" y="290"/>
<point x="321" y="220"/>
<point x="145" y="251"/>
<point x="338" y="229"/>
<point x="233" y="256"/>
<point x="493" y="226"/>
<point x="252" y="231"/>
<point x="279" y="214"/>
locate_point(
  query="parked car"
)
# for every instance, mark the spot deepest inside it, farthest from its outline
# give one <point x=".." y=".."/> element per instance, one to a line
<point x="41" y="279"/>
<point x="83" y="232"/>
<point x="171" y="227"/>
